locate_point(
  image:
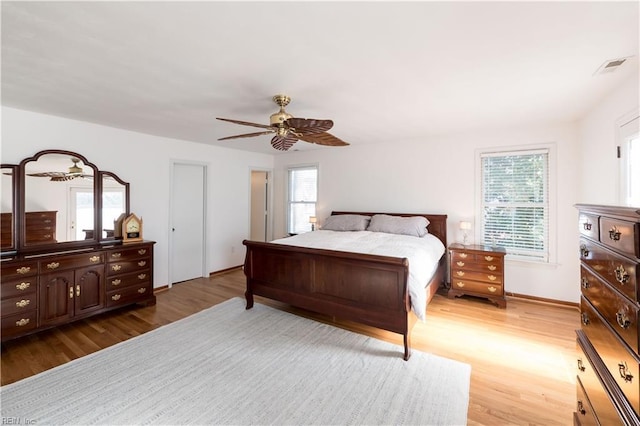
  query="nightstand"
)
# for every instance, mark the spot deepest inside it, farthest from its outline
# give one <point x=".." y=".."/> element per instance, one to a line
<point x="477" y="270"/>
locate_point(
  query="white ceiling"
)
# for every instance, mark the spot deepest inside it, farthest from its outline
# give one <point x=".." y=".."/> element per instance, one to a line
<point x="383" y="71"/>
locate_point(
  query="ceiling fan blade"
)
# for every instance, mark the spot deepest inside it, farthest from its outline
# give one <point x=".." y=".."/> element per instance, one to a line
<point x="283" y="143"/>
<point x="323" y="139"/>
<point x="245" y="123"/>
<point x="247" y="135"/>
<point x="48" y="174"/>
<point x="309" y="126"/>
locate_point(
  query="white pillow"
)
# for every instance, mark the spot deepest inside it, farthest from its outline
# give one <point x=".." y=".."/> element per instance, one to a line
<point x="413" y="225"/>
<point x="346" y="222"/>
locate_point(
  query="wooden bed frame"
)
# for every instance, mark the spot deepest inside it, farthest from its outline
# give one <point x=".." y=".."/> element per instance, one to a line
<point x="368" y="289"/>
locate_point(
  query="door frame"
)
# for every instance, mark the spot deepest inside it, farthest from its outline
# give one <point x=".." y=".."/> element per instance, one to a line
<point x="174" y="162"/>
<point x="269" y="224"/>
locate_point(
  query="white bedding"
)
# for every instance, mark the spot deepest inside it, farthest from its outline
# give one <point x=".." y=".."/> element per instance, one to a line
<point x="423" y="254"/>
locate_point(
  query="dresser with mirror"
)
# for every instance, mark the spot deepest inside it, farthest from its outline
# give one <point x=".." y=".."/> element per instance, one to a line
<point x="61" y="259"/>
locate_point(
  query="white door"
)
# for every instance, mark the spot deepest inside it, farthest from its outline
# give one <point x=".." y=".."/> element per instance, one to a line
<point x="259" y="206"/>
<point x="188" y="222"/>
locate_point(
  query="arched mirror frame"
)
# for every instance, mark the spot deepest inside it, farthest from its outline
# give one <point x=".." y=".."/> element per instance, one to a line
<point x="19" y="207"/>
<point x="13" y="195"/>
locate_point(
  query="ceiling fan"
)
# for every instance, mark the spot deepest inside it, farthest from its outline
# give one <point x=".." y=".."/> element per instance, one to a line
<point x="288" y="129"/>
<point x="75" y="171"/>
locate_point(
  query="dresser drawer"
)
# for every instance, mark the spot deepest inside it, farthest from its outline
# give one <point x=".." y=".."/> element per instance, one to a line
<point x="73" y="261"/>
<point x="585" y="413"/>
<point x="117" y="282"/>
<point x="15" y="305"/>
<point x="14" y="288"/>
<point x="476" y="287"/>
<point x="128" y="254"/>
<point x="19" y="323"/>
<point x="489" y="266"/>
<point x="623" y="366"/>
<point x="621" y="235"/>
<point x="618" y="311"/>
<point x="18" y="269"/>
<point x="589" y="225"/>
<point x="587" y="383"/>
<point x="129" y="294"/>
<point x="619" y="271"/>
<point x="117" y="268"/>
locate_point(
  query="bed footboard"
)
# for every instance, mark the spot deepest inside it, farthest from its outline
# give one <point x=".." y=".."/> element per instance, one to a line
<point x="364" y="288"/>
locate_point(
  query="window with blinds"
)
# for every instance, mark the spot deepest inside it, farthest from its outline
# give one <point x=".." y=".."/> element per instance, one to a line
<point x="303" y="196"/>
<point x="515" y="202"/>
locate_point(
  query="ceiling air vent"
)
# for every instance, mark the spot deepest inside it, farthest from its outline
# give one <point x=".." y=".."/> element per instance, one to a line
<point x="611" y="65"/>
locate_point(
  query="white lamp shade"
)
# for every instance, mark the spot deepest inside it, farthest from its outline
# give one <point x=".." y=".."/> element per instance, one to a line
<point x="465" y="225"/>
<point x="313" y="219"/>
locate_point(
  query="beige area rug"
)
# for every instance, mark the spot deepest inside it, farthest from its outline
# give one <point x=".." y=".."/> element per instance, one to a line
<point x="228" y="365"/>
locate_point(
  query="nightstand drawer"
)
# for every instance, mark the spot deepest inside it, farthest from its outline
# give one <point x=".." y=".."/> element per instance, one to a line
<point x="488" y="277"/>
<point x="477" y="287"/>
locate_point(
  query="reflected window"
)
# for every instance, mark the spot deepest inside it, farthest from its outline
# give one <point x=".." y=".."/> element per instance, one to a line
<point x="81" y="217"/>
<point x="113" y="205"/>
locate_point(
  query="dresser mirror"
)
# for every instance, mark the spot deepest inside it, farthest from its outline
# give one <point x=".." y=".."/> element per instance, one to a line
<point x="8" y="202"/>
<point x="64" y="201"/>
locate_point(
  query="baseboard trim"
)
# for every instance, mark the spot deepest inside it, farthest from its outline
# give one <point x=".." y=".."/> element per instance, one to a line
<point x="544" y="300"/>
<point x="225" y="271"/>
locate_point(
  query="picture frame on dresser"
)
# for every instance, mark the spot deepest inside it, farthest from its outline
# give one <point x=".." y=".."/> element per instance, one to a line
<point x="60" y="265"/>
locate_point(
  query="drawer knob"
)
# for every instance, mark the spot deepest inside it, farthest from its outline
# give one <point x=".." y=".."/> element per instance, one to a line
<point x="586" y="226"/>
<point x="584" y="251"/>
<point x="492" y="289"/>
<point x="116" y="267"/>
<point x="463" y="255"/>
<point x="460" y="273"/>
<point x="460" y="284"/>
<point x="116" y="297"/>
<point x="584" y="318"/>
<point x="22" y="322"/>
<point x="23" y="270"/>
<point x="116" y="282"/>
<point x="94" y="258"/>
<point x="23" y="303"/>
<point x="488" y="258"/>
<point x="142" y="251"/>
<point x="624" y="372"/>
<point x="614" y="234"/>
<point x="23" y="286"/>
<point x="142" y="290"/>
<point x="622" y="276"/>
<point x="492" y="267"/>
<point x="623" y="319"/>
<point x="459" y="263"/>
<point x="53" y="265"/>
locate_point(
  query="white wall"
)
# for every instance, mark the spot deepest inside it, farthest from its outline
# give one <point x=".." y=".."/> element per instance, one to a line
<point x="599" y="173"/>
<point x="437" y="175"/>
<point x="145" y="162"/>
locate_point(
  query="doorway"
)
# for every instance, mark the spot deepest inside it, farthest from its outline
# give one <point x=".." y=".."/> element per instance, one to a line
<point x="260" y="212"/>
<point x="187" y="237"/>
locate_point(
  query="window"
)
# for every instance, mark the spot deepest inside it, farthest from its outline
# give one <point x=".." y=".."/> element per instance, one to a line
<point x="303" y="195"/>
<point x="629" y="154"/>
<point x="515" y="202"/>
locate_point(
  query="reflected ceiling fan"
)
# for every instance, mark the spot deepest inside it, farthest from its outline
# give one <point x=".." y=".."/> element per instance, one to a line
<point x="74" y="172"/>
<point x="288" y="129"/>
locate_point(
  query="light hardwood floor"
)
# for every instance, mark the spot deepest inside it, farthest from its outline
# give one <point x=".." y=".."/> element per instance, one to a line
<point x="522" y="357"/>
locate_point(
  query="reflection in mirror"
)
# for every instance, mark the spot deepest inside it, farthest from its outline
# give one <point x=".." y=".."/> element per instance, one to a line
<point x="114" y="202"/>
<point x="58" y="204"/>
<point x="6" y="219"/>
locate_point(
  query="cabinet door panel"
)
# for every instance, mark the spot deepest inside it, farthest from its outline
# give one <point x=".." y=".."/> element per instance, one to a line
<point x="89" y="290"/>
<point x="56" y="297"/>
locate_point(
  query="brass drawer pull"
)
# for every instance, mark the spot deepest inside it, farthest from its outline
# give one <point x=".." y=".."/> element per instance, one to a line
<point x="116" y="267"/>
<point x="23" y="270"/>
<point x="460" y="273"/>
<point x="71" y="292"/>
<point x="624" y="372"/>
<point x="585" y="282"/>
<point x="47" y="236"/>
<point x="585" y="318"/>
<point x="116" y="282"/>
<point x="116" y="297"/>
<point x="116" y="255"/>
<point x="623" y="319"/>
<point x="53" y="265"/>
<point x="142" y="276"/>
<point x="142" y="290"/>
<point x="581" y="409"/>
<point x="460" y="284"/>
<point x="142" y="251"/>
<point x="584" y="251"/>
<point x="488" y="258"/>
<point x="94" y="258"/>
<point x="463" y="255"/>
<point x="23" y="303"/>
<point x="581" y="366"/>
<point x="492" y="267"/>
<point x="492" y="289"/>
<point x="23" y="286"/>
<point x="142" y="263"/>
<point x="459" y="263"/>
<point x="614" y="234"/>
<point x="492" y="277"/>
<point x="22" y="322"/>
<point x="622" y="276"/>
<point x="586" y="226"/>
<point x="78" y="290"/>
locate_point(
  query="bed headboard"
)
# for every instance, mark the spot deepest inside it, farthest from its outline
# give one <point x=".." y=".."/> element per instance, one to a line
<point x="437" y="222"/>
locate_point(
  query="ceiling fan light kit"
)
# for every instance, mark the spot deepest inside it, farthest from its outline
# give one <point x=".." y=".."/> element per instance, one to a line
<point x="288" y="129"/>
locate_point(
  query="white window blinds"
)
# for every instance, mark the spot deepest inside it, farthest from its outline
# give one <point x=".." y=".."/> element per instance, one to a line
<point x="515" y="202"/>
<point x="303" y="195"/>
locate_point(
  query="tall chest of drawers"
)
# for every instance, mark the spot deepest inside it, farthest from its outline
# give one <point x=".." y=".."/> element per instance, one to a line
<point x="608" y="343"/>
